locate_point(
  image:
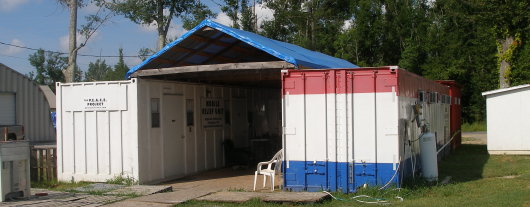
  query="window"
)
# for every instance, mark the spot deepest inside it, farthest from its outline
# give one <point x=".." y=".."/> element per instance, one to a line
<point x="432" y="96"/>
<point x="189" y="112"/>
<point x="421" y="96"/>
<point x="155" y="112"/>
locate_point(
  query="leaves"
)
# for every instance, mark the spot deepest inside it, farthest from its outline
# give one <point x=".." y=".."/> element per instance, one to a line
<point x="97" y="71"/>
<point x="443" y="39"/>
<point x="48" y="67"/>
<point x="196" y="15"/>
<point x="158" y="12"/>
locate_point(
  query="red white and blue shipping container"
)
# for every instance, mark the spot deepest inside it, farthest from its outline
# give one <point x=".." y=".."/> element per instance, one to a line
<point x="345" y="128"/>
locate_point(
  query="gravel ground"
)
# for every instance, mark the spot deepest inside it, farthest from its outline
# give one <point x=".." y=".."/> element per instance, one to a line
<point x="474" y="138"/>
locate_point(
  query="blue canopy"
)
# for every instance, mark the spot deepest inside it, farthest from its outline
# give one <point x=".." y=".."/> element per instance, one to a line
<point x="213" y="43"/>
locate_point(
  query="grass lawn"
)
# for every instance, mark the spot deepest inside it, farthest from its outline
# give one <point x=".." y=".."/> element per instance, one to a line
<point x="478" y="179"/>
<point x="58" y="186"/>
<point x="474" y="127"/>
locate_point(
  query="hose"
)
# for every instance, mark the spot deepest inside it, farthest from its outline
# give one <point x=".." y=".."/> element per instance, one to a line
<point x="380" y="201"/>
<point x="393" y="176"/>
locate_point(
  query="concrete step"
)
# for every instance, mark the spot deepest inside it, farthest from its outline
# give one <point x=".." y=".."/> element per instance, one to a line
<point x="279" y="197"/>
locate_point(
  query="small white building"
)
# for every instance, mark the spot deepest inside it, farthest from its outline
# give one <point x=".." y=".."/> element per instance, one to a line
<point x="508" y="120"/>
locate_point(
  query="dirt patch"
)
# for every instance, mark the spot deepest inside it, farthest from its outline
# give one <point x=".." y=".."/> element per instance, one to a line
<point x="509" y="176"/>
<point x="474" y="138"/>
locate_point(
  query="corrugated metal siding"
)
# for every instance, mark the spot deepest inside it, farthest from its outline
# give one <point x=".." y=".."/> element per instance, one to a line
<point x="344" y="128"/>
<point x="32" y="109"/>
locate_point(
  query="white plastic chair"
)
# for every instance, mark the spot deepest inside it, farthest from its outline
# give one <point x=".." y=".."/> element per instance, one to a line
<point x="274" y="165"/>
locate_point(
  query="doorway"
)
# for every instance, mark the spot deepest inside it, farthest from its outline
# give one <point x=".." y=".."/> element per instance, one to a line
<point x="173" y="136"/>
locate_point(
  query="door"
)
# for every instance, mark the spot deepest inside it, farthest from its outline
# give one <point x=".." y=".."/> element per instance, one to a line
<point x="173" y="135"/>
<point x="240" y="122"/>
<point x="7" y="109"/>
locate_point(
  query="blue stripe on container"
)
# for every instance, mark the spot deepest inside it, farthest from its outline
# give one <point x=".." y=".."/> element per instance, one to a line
<point x="338" y="176"/>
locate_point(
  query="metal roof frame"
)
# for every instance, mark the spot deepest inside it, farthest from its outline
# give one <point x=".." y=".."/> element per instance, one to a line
<point x="214" y="43"/>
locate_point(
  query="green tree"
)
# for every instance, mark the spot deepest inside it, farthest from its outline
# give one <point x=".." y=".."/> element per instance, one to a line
<point x="120" y="69"/>
<point x="94" y="21"/>
<point x="199" y="12"/>
<point x="159" y="12"/>
<point x="241" y="13"/>
<point x="248" y="17"/>
<point x="461" y="47"/>
<point x="144" y="53"/>
<point x="520" y="69"/>
<point x="509" y="20"/>
<point x="361" y="43"/>
<point x="97" y="71"/>
<point x="48" y="68"/>
<point x="313" y="24"/>
<point x="231" y="9"/>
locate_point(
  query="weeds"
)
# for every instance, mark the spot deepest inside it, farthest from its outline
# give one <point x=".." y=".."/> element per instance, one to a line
<point x="474" y="127"/>
<point x="123" y="180"/>
<point x="59" y="185"/>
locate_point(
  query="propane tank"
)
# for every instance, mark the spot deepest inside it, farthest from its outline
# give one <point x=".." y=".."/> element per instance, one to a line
<point x="428" y="156"/>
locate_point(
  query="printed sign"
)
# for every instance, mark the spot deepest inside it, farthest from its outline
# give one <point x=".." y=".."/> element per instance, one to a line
<point x="95" y="103"/>
<point x="95" y="98"/>
<point x="212" y="112"/>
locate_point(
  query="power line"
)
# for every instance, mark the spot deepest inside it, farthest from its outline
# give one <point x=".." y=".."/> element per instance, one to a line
<point x="63" y="53"/>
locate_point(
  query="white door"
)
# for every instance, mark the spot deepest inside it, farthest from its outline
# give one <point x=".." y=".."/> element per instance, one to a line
<point x="173" y="135"/>
<point x="7" y="109"/>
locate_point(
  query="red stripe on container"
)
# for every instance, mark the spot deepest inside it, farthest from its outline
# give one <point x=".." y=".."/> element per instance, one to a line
<point x="341" y="81"/>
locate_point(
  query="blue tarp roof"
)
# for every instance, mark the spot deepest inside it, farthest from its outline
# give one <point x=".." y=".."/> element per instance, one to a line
<point x="296" y="55"/>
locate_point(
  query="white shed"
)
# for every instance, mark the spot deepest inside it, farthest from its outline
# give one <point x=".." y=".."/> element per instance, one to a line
<point x="508" y="120"/>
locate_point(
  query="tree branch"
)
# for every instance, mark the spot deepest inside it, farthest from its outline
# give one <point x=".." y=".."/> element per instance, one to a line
<point x="171" y="13"/>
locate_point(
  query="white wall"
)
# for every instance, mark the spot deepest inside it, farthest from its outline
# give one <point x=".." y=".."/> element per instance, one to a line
<point x="204" y="150"/>
<point x="508" y="120"/>
<point x="97" y="139"/>
<point x="325" y="134"/>
<point x="434" y="114"/>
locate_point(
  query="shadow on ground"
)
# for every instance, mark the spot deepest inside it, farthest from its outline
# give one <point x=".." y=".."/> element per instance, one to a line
<point x="214" y="174"/>
<point x="465" y="164"/>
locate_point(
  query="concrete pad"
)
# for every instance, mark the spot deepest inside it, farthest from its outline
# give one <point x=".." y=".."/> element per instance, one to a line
<point x="295" y="197"/>
<point x="99" y="199"/>
<point x="99" y="187"/>
<point x="173" y="197"/>
<point x="130" y="203"/>
<point x="280" y="197"/>
<point x="231" y="197"/>
<point x="140" y="190"/>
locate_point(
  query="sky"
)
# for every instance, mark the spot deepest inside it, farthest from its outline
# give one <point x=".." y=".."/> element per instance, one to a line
<point x="44" y="24"/>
